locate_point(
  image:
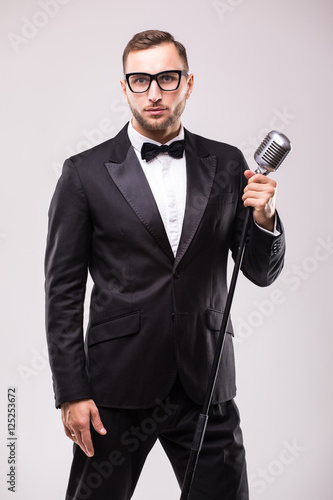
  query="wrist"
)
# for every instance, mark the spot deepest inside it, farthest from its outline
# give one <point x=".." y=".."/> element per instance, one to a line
<point x="264" y="221"/>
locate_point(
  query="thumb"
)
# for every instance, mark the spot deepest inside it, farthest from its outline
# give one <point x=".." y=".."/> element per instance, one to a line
<point x="248" y="174"/>
<point x="97" y="422"/>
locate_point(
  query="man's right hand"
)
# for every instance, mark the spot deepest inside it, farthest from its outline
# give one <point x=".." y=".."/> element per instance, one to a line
<point x="76" y="417"/>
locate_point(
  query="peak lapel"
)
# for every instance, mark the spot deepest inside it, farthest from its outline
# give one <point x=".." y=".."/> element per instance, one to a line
<point x="201" y="168"/>
<point x="132" y="183"/>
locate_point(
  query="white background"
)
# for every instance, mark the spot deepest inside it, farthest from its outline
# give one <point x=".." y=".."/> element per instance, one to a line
<point x="258" y="65"/>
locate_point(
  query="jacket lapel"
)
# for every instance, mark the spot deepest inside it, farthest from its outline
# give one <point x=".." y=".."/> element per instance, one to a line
<point x="201" y="168"/>
<point x="126" y="172"/>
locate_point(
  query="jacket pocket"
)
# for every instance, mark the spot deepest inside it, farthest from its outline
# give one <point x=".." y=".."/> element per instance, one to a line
<point x="214" y="321"/>
<point x="114" y="328"/>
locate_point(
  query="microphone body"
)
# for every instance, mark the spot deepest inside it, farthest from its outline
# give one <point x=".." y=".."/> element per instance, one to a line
<point x="272" y="152"/>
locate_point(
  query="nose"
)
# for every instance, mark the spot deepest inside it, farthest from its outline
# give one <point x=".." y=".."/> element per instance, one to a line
<point x="154" y="92"/>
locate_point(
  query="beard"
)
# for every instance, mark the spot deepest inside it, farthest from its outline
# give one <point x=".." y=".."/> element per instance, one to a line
<point x="160" y="124"/>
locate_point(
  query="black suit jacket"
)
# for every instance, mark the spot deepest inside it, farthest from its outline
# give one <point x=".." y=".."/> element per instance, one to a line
<point x="151" y="314"/>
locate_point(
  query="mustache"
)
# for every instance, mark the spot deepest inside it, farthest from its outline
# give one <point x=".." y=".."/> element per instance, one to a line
<point x="153" y="106"/>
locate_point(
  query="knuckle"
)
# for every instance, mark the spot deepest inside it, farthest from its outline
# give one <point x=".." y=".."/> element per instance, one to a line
<point x="81" y="424"/>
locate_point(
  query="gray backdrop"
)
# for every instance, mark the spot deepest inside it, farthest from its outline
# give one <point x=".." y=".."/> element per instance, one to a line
<point x="258" y="65"/>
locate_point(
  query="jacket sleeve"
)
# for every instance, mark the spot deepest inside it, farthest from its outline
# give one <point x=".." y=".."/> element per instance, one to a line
<point x="66" y="267"/>
<point x="264" y="252"/>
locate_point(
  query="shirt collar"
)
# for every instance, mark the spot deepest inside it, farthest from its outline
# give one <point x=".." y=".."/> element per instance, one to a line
<point x="138" y="139"/>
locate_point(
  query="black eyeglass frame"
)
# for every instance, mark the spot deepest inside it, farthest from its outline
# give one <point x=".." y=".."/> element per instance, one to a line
<point x="154" y="77"/>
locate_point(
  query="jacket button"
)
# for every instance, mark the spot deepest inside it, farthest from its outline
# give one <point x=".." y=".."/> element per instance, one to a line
<point x="176" y="275"/>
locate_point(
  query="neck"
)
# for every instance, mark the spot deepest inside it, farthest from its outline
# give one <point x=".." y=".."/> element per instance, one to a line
<point x="161" y="136"/>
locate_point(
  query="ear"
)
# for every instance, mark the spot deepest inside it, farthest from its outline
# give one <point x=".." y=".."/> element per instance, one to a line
<point x="124" y="88"/>
<point x="190" y="84"/>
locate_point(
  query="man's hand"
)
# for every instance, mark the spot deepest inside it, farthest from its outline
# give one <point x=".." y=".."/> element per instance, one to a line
<point x="260" y="193"/>
<point x="76" y="417"/>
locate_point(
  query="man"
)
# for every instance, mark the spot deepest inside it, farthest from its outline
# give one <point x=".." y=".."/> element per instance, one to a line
<point x="154" y="232"/>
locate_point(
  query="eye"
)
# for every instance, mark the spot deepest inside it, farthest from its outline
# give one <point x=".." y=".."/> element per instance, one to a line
<point x="168" y="78"/>
<point x="140" y="80"/>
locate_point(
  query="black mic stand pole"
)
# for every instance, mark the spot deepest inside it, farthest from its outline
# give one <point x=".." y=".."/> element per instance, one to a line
<point x="203" y="417"/>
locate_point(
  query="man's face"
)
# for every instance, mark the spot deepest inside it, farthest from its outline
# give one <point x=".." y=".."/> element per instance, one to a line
<point x="156" y="113"/>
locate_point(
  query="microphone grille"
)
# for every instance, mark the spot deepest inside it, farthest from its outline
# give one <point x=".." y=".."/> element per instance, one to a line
<point x="272" y="151"/>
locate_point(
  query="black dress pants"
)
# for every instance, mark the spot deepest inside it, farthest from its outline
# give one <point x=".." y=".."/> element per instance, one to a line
<point x="112" y="473"/>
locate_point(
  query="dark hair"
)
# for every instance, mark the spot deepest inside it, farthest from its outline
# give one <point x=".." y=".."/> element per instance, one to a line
<point x="151" y="38"/>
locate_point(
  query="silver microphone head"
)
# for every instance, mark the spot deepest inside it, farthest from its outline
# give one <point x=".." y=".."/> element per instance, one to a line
<point x="271" y="152"/>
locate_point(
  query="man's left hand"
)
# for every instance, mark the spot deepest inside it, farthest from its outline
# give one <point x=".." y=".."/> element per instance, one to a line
<point x="260" y="193"/>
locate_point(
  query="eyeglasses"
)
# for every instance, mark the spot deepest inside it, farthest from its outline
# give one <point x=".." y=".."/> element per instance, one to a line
<point x="166" y="80"/>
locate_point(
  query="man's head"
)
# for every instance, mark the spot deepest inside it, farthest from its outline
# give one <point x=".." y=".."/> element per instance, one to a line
<point x="156" y="100"/>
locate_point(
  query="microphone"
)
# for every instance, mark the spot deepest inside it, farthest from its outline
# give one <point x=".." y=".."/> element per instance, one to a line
<point x="272" y="152"/>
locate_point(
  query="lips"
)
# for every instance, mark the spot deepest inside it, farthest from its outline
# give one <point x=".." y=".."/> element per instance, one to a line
<point x="155" y="111"/>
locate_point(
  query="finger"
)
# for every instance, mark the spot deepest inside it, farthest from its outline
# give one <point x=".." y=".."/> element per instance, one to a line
<point x="260" y="179"/>
<point x="255" y="203"/>
<point x="255" y="188"/>
<point x="257" y="193"/>
<point x="85" y="443"/>
<point x="248" y="174"/>
<point x="68" y="432"/>
<point x="97" y="422"/>
<point x="259" y="198"/>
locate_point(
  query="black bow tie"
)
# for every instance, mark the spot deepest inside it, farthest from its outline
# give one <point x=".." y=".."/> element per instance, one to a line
<point x="149" y="151"/>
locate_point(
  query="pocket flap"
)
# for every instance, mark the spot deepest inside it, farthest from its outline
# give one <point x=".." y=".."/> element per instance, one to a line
<point x="214" y="321"/>
<point x="114" y="328"/>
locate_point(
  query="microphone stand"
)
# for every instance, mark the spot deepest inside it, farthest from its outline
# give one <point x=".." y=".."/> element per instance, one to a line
<point x="203" y="417"/>
<point x="269" y="156"/>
